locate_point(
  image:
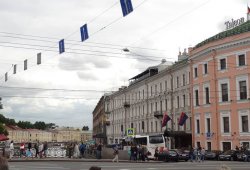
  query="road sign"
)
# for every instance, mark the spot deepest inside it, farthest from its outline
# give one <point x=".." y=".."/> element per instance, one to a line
<point x="130" y="131"/>
<point x="61" y="46"/>
<point x="126" y="7"/>
<point x="84" y="32"/>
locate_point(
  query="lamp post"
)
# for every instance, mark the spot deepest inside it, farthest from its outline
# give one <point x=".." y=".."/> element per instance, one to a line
<point x="1" y="106"/>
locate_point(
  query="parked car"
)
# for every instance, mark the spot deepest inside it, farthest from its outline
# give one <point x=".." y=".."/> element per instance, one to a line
<point x="172" y="156"/>
<point x="212" y="155"/>
<point x="183" y="155"/>
<point x="244" y="156"/>
<point x="230" y="155"/>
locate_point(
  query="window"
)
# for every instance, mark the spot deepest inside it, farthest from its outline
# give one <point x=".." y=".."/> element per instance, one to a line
<point x="143" y="94"/>
<point x="161" y="106"/>
<point x="151" y="108"/>
<point x="156" y="89"/>
<point x="244" y="122"/>
<point x="208" y="125"/>
<point x="226" y="146"/>
<point x="151" y="90"/>
<point x="223" y="64"/>
<point x="155" y="106"/>
<point x="209" y="146"/>
<point x="196" y="98"/>
<point x="195" y="72"/>
<point x="184" y="79"/>
<point x="205" y="68"/>
<point x="132" y="125"/>
<point x="242" y="60"/>
<point x="197" y="126"/>
<point x="166" y="104"/>
<point x="121" y="128"/>
<point x="142" y="125"/>
<point x="156" y="125"/>
<point x="166" y="86"/>
<point x="143" y="111"/>
<point x="178" y="101"/>
<point x="243" y="90"/>
<point x="177" y="82"/>
<point x="226" y="124"/>
<point x="184" y="100"/>
<point x="160" y="87"/>
<point x="198" y="144"/>
<point x="207" y="95"/>
<point x="224" y="92"/>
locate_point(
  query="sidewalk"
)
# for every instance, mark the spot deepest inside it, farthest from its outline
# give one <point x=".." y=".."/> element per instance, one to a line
<point x="72" y="160"/>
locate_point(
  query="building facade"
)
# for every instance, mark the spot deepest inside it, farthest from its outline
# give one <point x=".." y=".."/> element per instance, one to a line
<point x="220" y="90"/>
<point x="160" y="89"/>
<point x="100" y="122"/>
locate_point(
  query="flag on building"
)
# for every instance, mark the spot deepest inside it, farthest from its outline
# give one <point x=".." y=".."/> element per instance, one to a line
<point x="14" y="69"/>
<point x="165" y="120"/>
<point x="39" y="58"/>
<point x="25" y="64"/>
<point x="182" y="119"/>
<point x="6" y="76"/>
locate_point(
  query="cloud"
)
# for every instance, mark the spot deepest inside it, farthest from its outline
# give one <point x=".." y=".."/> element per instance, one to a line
<point x="86" y="76"/>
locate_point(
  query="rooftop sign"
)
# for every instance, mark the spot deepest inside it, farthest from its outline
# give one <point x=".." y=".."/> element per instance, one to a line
<point x="234" y="23"/>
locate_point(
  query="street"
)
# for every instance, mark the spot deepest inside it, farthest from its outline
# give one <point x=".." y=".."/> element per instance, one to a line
<point x="209" y="165"/>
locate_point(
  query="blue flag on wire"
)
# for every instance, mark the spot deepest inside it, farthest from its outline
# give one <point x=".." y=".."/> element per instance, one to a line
<point x="84" y="32"/>
<point x="61" y="46"/>
<point x="183" y="119"/>
<point x="165" y="120"/>
<point x="126" y="7"/>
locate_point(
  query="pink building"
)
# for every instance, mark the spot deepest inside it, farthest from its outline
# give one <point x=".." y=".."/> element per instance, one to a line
<point x="220" y="96"/>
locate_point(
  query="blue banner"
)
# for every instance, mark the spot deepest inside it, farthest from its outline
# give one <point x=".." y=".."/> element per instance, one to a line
<point x="61" y="46"/>
<point x="84" y="32"/>
<point x="127" y="7"/>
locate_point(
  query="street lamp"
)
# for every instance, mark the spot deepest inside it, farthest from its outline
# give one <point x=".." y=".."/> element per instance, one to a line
<point x="1" y="106"/>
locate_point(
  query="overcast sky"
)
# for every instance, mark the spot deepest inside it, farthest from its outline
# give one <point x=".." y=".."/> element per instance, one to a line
<point x="156" y="29"/>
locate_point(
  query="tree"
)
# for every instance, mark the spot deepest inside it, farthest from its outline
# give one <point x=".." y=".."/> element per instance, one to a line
<point x="40" y="125"/>
<point x="2" y="118"/>
<point x="3" y="130"/>
<point x="85" y="128"/>
<point x="50" y="125"/>
<point x="10" y="121"/>
<point x="25" y="124"/>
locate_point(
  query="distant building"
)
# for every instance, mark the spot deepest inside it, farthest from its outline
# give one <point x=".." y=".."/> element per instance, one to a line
<point x="100" y="122"/>
<point x="159" y="89"/>
<point x="86" y="136"/>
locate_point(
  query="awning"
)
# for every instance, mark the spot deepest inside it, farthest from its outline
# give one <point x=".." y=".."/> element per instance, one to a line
<point x="175" y="133"/>
<point x="3" y="137"/>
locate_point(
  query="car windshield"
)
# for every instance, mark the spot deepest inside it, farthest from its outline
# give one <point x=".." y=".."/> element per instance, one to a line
<point x="228" y="152"/>
<point x="155" y="139"/>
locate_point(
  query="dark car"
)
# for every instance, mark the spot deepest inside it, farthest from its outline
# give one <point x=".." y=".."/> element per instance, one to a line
<point x="172" y="156"/>
<point x="183" y="155"/>
<point x="230" y="155"/>
<point x="244" y="156"/>
<point x="212" y="155"/>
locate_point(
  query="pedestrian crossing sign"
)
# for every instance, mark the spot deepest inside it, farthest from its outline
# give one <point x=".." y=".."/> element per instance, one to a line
<point x="130" y="131"/>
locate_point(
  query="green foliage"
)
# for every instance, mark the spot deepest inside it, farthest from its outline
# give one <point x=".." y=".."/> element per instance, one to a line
<point x="40" y="125"/>
<point x="3" y="130"/>
<point x="25" y="124"/>
<point x="85" y="128"/>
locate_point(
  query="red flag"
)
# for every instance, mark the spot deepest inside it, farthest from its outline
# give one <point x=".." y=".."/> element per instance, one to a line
<point x="248" y="10"/>
<point x="182" y="119"/>
<point x="165" y="119"/>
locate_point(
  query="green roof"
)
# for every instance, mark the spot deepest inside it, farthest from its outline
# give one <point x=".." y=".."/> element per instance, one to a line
<point x="245" y="27"/>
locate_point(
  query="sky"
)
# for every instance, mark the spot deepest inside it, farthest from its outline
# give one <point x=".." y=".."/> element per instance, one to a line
<point x="66" y="87"/>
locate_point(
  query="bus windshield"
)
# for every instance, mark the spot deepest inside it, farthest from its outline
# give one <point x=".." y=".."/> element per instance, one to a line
<point x="155" y="139"/>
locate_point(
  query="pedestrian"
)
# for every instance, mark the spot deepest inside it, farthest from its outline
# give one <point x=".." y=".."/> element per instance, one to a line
<point x="82" y="149"/>
<point x="99" y="151"/>
<point x="76" y="151"/>
<point x="156" y="155"/>
<point x="129" y="153"/>
<point x="40" y="150"/>
<point x="203" y="154"/>
<point x="139" y="152"/>
<point x="22" y="149"/>
<point x="45" y="148"/>
<point x="11" y="149"/>
<point x="94" y="168"/>
<point x="191" y="154"/>
<point x="195" y="154"/>
<point x="199" y="154"/>
<point x="29" y="146"/>
<point x="3" y="164"/>
<point x="36" y="149"/>
<point x="116" y="153"/>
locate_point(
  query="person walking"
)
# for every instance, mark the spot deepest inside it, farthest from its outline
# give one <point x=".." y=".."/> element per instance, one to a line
<point x="40" y="150"/>
<point x="45" y="148"/>
<point x="116" y="153"/>
<point x="99" y="151"/>
<point x="11" y="149"/>
<point x="195" y="154"/>
<point x="22" y="149"/>
<point x="191" y="154"/>
<point x="36" y="149"/>
<point x="203" y="154"/>
<point x="156" y="153"/>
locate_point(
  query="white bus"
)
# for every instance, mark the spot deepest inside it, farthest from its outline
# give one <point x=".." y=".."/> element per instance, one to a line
<point x="150" y="141"/>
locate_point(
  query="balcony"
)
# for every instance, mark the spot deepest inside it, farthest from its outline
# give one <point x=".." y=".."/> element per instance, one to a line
<point x="126" y="105"/>
<point x="158" y="114"/>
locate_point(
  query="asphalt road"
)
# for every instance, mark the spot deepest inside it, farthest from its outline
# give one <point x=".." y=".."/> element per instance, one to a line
<point x="210" y="165"/>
